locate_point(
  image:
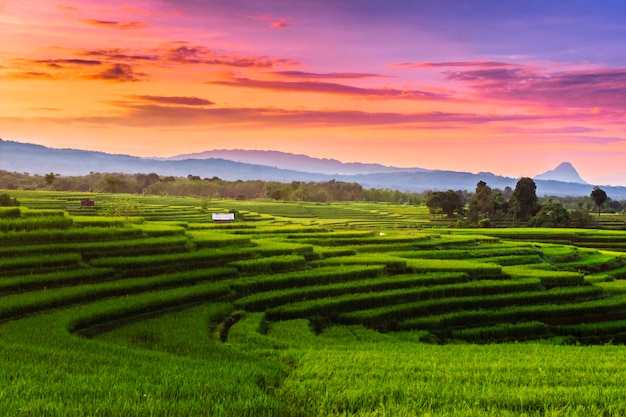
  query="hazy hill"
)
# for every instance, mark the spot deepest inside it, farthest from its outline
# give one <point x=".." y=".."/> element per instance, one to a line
<point x="565" y="172"/>
<point x="295" y="162"/>
<point x="37" y="159"/>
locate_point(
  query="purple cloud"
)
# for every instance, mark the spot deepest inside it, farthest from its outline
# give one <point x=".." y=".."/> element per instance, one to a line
<point x="119" y="73"/>
<point x="117" y="54"/>
<point x="189" y="54"/>
<point x="595" y="88"/>
<point x="58" y="63"/>
<point x="481" y="64"/>
<point x="180" y="101"/>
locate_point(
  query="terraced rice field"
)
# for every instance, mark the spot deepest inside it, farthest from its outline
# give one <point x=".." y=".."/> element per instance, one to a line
<point x="303" y="310"/>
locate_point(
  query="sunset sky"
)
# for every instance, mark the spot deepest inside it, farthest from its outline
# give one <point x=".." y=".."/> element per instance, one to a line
<point x="513" y="87"/>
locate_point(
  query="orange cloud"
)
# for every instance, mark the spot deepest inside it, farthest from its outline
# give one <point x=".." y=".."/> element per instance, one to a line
<point x="30" y="75"/>
<point x="182" y="113"/>
<point x="179" y="101"/>
<point x="63" y="69"/>
<point x="111" y="24"/>
<point x="279" y="25"/>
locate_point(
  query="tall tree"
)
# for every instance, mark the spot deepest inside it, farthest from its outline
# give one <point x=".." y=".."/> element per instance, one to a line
<point x="483" y="204"/>
<point x="524" y="203"/>
<point x="49" y="179"/>
<point x="447" y="202"/>
<point x="599" y="197"/>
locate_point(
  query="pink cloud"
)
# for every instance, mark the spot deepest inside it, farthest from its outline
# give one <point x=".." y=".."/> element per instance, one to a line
<point x="557" y="130"/>
<point x="184" y="53"/>
<point x="330" y="75"/>
<point x="279" y="25"/>
<point x="480" y="64"/>
<point x="331" y="88"/>
<point x="594" y="88"/>
<point x="275" y="22"/>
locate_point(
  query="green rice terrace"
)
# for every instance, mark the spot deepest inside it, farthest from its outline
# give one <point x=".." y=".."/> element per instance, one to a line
<point x="143" y="306"/>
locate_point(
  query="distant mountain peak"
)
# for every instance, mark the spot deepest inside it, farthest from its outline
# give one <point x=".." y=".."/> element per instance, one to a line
<point x="565" y="172"/>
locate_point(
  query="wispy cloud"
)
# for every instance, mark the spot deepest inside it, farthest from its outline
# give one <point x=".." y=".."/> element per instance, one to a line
<point x="58" y="63"/>
<point x="118" y="73"/>
<point x="147" y="114"/>
<point x="30" y="75"/>
<point x="117" y="54"/>
<point x="331" y="88"/>
<point x="179" y="101"/>
<point x="599" y="140"/>
<point x="274" y="22"/>
<point x="421" y="65"/>
<point x="592" y="88"/>
<point x="551" y="131"/>
<point x="185" y="53"/>
<point x="112" y="24"/>
<point x="329" y="75"/>
<point x="74" y="68"/>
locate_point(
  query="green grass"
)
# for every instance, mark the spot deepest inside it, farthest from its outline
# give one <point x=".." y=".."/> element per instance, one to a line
<point x="324" y="310"/>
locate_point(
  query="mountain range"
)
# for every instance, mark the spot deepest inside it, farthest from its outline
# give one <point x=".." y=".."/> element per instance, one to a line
<point x="282" y="167"/>
<point x="295" y="162"/>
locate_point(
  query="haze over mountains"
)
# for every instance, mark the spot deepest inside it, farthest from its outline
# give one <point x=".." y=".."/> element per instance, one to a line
<point x="234" y="165"/>
<point x="294" y="162"/>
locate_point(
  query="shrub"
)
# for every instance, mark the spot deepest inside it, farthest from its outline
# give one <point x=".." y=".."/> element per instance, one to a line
<point x="7" y="201"/>
<point x="485" y="223"/>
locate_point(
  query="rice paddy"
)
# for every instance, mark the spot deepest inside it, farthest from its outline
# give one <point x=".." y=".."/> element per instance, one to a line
<point x="354" y="309"/>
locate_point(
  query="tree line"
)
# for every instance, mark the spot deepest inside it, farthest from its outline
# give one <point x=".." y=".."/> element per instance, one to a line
<point x="519" y="206"/>
<point x="484" y="207"/>
<point x="195" y="186"/>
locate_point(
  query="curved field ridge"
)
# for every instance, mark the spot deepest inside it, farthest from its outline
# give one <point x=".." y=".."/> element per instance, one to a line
<point x="180" y="316"/>
<point x="288" y="272"/>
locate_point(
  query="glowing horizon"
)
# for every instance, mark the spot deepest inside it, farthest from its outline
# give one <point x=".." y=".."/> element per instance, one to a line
<point x="514" y="89"/>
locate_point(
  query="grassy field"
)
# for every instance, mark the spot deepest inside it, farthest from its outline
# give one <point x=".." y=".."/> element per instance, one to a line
<point x="143" y="306"/>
